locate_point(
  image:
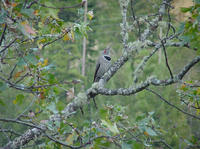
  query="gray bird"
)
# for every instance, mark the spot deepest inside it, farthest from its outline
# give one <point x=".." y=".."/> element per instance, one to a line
<point x="103" y="64"/>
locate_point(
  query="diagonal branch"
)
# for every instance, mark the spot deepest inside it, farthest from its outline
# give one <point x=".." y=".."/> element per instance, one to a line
<point x="166" y="59"/>
<point x="172" y="105"/>
<point x="19" y="122"/>
<point x="133" y="15"/>
<point x="3" y="34"/>
<point x="8" y="45"/>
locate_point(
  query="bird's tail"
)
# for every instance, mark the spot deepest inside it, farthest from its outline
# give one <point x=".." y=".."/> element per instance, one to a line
<point x="94" y="102"/>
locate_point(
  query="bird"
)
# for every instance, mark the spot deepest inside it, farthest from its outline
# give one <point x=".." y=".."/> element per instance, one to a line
<point x="103" y="64"/>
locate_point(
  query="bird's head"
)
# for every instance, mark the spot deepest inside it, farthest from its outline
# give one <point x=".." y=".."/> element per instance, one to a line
<point x="106" y="51"/>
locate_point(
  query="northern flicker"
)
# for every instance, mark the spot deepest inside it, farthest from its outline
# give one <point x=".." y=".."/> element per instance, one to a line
<point x="103" y="64"/>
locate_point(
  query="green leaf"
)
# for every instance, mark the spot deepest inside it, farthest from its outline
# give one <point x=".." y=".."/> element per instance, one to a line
<point x="19" y="98"/>
<point x="181" y="27"/>
<point x="126" y="146"/>
<point x="151" y="113"/>
<point x="101" y="142"/>
<point x="2" y="103"/>
<point x="31" y="58"/>
<point x="103" y="113"/>
<point x="52" y="108"/>
<point x="21" y="62"/>
<point x="28" y="12"/>
<point x="60" y="106"/>
<point x="51" y="78"/>
<point x="3" y="86"/>
<point x="150" y="131"/>
<point x="184" y="10"/>
<point x="3" y="16"/>
<point x="112" y="127"/>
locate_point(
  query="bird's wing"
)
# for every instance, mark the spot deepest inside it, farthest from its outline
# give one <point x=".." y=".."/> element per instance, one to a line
<point x="97" y="68"/>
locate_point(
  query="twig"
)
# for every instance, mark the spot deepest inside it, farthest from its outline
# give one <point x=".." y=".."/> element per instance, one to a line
<point x="27" y="108"/>
<point x="66" y="7"/>
<point x="46" y="44"/>
<point x="169" y="21"/>
<point x="22" y="78"/>
<point x="31" y="3"/>
<point x="164" y="143"/>
<point x="5" y="134"/>
<point x="8" y="45"/>
<point x="11" y="73"/>
<point x="177" y="108"/>
<point x="19" y="122"/>
<point x="138" y="25"/>
<point x="190" y="105"/>
<point x="166" y="59"/>
<point x="10" y="131"/>
<point x="3" y="34"/>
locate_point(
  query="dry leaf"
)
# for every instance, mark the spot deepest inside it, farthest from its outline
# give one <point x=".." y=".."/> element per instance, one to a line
<point x="66" y="37"/>
<point x="18" y="74"/>
<point x="70" y="94"/>
<point x="90" y="15"/>
<point x="36" y="12"/>
<point x="146" y="133"/>
<point x="45" y="63"/>
<point x="14" y="102"/>
<point x="13" y="4"/>
<point x="28" y="28"/>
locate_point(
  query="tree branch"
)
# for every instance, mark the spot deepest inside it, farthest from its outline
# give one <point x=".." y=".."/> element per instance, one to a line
<point x="66" y="7"/>
<point x="3" y="34"/>
<point x="166" y="59"/>
<point x="170" y="104"/>
<point x="20" y="122"/>
<point x="8" y="45"/>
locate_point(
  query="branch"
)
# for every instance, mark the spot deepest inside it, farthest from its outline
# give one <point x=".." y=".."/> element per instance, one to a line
<point x="124" y="25"/>
<point x="10" y="131"/>
<point x="164" y="143"/>
<point x="150" y="81"/>
<point x="17" y="87"/>
<point x="66" y="7"/>
<point x="134" y="18"/>
<point x="8" y="45"/>
<point x="20" y="122"/>
<point x="30" y="134"/>
<point x="170" y="104"/>
<point x="166" y="59"/>
<point x="3" y="34"/>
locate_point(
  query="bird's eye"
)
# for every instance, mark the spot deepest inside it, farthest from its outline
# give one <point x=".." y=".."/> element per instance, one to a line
<point x="107" y="58"/>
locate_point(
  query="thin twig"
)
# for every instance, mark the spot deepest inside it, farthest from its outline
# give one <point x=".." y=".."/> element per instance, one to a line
<point x="8" y="45"/>
<point x="177" y="108"/>
<point x="169" y="21"/>
<point x="138" y="25"/>
<point x="164" y="143"/>
<point x="3" y="34"/>
<point x="166" y="59"/>
<point x="11" y="73"/>
<point x="19" y="122"/>
<point x="66" y="7"/>
<point x="10" y="131"/>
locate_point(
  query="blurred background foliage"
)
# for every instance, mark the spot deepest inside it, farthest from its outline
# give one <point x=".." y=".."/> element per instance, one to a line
<point x="61" y="61"/>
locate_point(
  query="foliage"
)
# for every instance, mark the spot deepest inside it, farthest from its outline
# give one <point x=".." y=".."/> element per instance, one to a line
<point x="191" y="26"/>
<point x="40" y="75"/>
